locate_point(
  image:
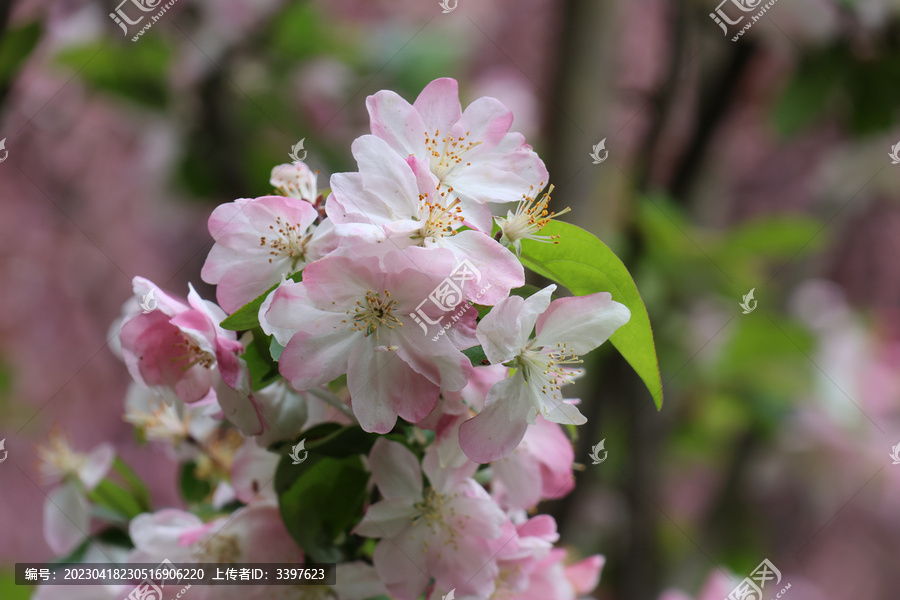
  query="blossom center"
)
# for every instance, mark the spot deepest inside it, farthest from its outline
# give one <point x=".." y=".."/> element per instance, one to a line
<point x="530" y="217"/>
<point x="374" y="313"/>
<point x="438" y="220"/>
<point x="287" y="241"/>
<point x="58" y="459"/>
<point x="446" y="152"/>
<point x="551" y="369"/>
<point x="193" y="353"/>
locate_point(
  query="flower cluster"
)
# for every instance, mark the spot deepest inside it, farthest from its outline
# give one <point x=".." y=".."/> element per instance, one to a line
<point x="385" y="318"/>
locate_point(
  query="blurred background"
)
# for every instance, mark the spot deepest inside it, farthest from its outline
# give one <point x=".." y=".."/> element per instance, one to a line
<point x="758" y="164"/>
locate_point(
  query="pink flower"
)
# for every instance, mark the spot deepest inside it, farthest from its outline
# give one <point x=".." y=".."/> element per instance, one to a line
<point x="295" y="180"/>
<point x="449" y="532"/>
<point x="67" y="512"/>
<point x="260" y="240"/>
<point x="352" y="316"/>
<point x="252" y="534"/>
<point x="471" y="153"/>
<point x="540" y="468"/>
<point x="552" y="579"/>
<point x="385" y="200"/>
<point x="564" y="329"/>
<point x="178" y="350"/>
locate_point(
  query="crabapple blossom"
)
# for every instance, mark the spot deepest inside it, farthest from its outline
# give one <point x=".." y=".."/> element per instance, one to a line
<point x="530" y="216"/>
<point x="540" y="468"/>
<point x="564" y="329"/>
<point x="551" y="578"/>
<point x="295" y="180"/>
<point x="352" y="316"/>
<point x="449" y="531"/>
<point x="252" y="534"/>
<point x="67" y="510"/>
<point x="180" y="351"/>
<point x="170" y="423"/>
<point x="388" y="206"/>
<point x="258" y="241"/>
<point x="470" y="153"/>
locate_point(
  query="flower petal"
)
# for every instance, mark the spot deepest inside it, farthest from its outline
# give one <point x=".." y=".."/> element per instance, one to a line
<point x="582" y="322"/>
<point x="395" y="470"/>
<point x="498" y="429"/>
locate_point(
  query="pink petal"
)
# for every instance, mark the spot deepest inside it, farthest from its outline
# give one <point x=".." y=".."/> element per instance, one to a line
<point x="253" y="472"/>
<point x="487" y="120"/>
<point x="382" y="386"/>
<point x="386" y="518"/>
<point x="498" y="429"/>
<point x="395" y="470"/>
<point x="401" y="565"/>
<point x="520" y="476"/>
<point x="98" y="464"/>
<point x="394" y="120"/>
<point x="500" y="270"/>
<point x="582" y="322"/>
<point x="66" y="519"/>
<point x="585" y="574"/>
<point x="438" y="105"/>
<point x="505" y="330"/>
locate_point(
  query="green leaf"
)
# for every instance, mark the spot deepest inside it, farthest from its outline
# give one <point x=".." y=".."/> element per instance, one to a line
<point x="477" y="356"/>
<point x="115" y="498"/>
<point x="585" y="265"/>
<point x="322" y="502"/>
<point x="135" y="72"/>
<point x="9" y="590"/>
<point x="193" y="489"/>
<point x="247" y="316"/>
<point x="15" y="46"/>
<point x="263" y="370"/>
<point x="135" y="484"/>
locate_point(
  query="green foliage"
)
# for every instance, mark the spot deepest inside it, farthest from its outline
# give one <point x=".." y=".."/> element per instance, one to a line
<point x="247" y="317"/>
<point x="193" y="489"/>
<point x="135" y="72"/>
<point x="117" y="499"/>
<point x="864" y="85"/>
<point x="263" y="369"/>
<point x="15" y="46"/>
<point x="9" y="590"/>
<point x="133" y="482"/>
<point x="477" y="356"/>
<point x="585" y="265"/>
<point x="320" y="499"/>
